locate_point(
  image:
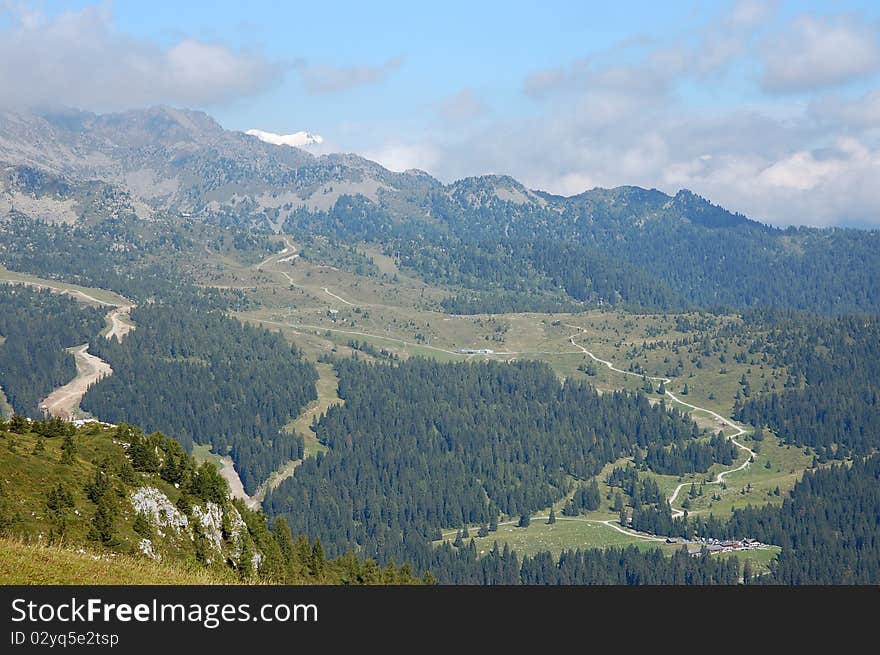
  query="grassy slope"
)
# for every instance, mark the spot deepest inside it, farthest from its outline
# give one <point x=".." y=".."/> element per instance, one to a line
<point x="25" y="558"/>
<point x="31" y="564"/>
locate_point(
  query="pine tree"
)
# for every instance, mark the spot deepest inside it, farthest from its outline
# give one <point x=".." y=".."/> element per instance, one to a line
<point x="319" y="561"/>
<point x="68" y="450"/>
<point x="524" y="521"/>
<point x="552" y="518"/>
<point x="493" y="523"/>
<point x="245" y="559"/>
<point x="60" y="506"/>
<point x="103" y="528"/>
<point x="18" y="424"/>
<point x="282" y="536"/>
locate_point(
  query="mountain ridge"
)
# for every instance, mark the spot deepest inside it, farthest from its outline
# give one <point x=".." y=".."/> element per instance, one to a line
<point x="179" y="160"/>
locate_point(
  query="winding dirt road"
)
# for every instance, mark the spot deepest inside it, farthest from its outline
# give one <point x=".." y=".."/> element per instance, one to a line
<point x="740" y="430"/>
<point x="64" y="401"/>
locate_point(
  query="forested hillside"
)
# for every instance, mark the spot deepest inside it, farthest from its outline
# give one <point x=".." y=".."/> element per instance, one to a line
<point x="36" y="327"/>
<point x="202" y="377"/>
<point x="138" y="260"/>
<point x="425" y="445"/>
<point x="116" y="491"/>
<point x="833" y="404"/>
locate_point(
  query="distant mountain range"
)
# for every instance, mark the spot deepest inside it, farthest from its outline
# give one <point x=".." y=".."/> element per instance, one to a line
<point x="176" y="160"/>
<point x="488" y="234"/>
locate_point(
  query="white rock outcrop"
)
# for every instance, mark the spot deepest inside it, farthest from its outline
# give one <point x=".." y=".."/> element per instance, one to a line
<point x="160" y="510"/>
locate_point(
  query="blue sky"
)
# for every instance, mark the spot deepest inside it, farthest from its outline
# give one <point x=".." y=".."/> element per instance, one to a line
<point x="770" y="108"/>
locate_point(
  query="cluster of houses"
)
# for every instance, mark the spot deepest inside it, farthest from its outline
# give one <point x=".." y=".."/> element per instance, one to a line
<point x="695" y="546"/>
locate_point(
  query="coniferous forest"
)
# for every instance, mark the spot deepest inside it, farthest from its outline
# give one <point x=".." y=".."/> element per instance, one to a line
<point x="37" y="327"/>
<point x="202" y="377"/>
<point x="425" y="444"/>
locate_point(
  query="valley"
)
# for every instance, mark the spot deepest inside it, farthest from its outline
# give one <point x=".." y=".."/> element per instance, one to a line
<point x="392" y="364"/>
<point x="329" y="311"/>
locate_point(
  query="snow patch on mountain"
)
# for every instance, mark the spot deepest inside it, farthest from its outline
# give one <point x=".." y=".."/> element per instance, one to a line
<point x="296" y="140"/>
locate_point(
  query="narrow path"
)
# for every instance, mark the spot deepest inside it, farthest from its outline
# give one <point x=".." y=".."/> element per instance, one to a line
<point x="236" y="487"/>
<point x="333" y="295"/>
<point x="740" y="430"/>
<point x="327" y="386"/>
<point x="64" y="401"/>
<point x="404" y="342"/>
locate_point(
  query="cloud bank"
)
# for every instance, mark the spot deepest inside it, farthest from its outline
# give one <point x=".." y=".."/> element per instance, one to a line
<point x="79" y="59"/>
<point x="804" y="149"/>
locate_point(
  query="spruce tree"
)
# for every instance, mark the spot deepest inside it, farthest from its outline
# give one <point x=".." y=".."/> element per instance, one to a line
<point x="319" y="561"/>
<point x="103" y="525"/>
<point x="68" y="450"/>
<point x="245" y="560"/>
<point x="552" y="518"/>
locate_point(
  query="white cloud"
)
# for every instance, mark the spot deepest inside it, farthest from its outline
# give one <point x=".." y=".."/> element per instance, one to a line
<point x="818" y="52"/>
<point x="622" y="119"/>
<point x="396" y="156"/>
<point x="80" y="59"/>
<point x="859" y="112"/>
<point x="463" y="106"/>
<point x="324" y="79"/>
<point x="751" y="13"/>
<point x="297" y="139"/>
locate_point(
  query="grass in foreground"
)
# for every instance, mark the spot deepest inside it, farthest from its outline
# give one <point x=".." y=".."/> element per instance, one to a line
<point x="29" y="564"/>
